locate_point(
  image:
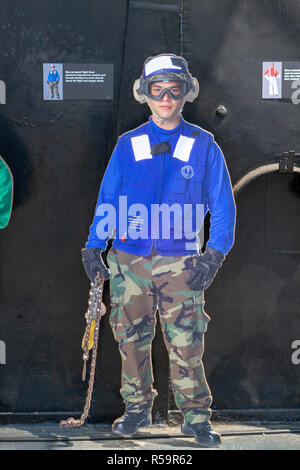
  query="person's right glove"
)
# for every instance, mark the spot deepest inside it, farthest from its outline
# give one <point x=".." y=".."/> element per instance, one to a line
<point x="205" y="269"/>
<point x="93" y="262"/>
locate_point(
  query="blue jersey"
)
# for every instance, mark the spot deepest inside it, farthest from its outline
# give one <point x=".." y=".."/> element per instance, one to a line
<point x="53" y="76"/>
<point x="142" y="189"/>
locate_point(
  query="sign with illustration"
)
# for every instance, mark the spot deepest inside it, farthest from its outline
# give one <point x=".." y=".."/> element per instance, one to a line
<point x="77" y="81"/>
<point x="280" y="80"/>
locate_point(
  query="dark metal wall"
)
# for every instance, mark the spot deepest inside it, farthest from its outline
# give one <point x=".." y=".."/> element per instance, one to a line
<point x="58" y="152"/>
<point x="254" y="301"/>
<point x="226" y="43"/>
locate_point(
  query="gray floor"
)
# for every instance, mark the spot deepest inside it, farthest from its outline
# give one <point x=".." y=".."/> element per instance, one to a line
<point x="235" y="436"/>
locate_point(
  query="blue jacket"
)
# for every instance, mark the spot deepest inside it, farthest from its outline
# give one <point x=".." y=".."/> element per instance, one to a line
<point x="53" y="76"/>
<point x="136" y="182"/>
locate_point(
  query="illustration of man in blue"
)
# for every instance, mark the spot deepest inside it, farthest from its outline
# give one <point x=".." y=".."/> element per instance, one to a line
<point x="53" y="81"/>
<point x="164" y="169"/>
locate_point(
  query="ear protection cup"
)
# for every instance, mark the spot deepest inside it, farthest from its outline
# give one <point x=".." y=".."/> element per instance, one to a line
<point x="140" y="98"/>
<point x="194" y="92"/>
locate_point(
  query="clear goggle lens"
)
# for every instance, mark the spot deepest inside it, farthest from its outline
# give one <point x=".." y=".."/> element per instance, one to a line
<point x="156" y="91"/>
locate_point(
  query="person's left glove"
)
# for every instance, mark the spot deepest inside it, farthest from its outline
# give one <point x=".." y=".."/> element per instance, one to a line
<point x="93" y="262"/>
<point x="205" y="269"/>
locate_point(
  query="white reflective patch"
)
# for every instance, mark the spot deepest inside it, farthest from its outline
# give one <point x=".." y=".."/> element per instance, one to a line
<point x="183" y="148"/>
<point x="141" y="147"/>
<point x="163" y="62"/>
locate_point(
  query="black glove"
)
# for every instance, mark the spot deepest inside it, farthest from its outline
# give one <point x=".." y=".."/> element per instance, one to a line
<point x="93" y="262"/>
<point x="205" y="269"/>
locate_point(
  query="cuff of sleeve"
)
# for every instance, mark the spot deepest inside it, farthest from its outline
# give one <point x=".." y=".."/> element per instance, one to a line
<point x="96" y="244"/>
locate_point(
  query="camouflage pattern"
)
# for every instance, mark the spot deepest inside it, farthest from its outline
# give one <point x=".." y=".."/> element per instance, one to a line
<point x="139" y="286"/>
<point x="53" y="86"/>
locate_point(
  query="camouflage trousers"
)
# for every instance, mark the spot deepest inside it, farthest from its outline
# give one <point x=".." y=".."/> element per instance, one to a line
<point x="139" y="286"/>
<point x="53" y="86"/>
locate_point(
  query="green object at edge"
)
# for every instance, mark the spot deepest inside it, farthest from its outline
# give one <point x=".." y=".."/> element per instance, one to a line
<point x="6" y="193"/>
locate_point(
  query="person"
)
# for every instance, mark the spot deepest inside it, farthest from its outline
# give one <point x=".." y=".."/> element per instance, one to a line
<point x="272" y="74"/>
<point x="160" y="182"/>
<point x="53" y="81"/>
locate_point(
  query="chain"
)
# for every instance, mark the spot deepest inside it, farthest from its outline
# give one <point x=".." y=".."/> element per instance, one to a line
<point x="96" y="309"/>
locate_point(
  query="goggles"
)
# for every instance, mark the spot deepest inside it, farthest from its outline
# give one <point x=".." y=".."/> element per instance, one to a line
<point x="187" y="87"/>
<point x="156" y="91"/>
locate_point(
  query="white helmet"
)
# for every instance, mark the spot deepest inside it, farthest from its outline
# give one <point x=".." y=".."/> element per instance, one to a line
<point x="165" y="68"/>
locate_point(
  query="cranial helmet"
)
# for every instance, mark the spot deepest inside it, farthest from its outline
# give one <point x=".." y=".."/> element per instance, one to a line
<point x="166" y="68"/>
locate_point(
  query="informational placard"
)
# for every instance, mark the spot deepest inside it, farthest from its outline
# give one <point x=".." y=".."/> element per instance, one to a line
<point x="280" y="80"/>
<point x="78" y="81"/>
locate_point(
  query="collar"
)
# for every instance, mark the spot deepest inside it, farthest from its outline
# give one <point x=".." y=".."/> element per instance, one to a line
<point x="164" y="132"/>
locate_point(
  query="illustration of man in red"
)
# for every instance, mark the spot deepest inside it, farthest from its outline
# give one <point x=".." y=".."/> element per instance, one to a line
<point x="272" y="74"/>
